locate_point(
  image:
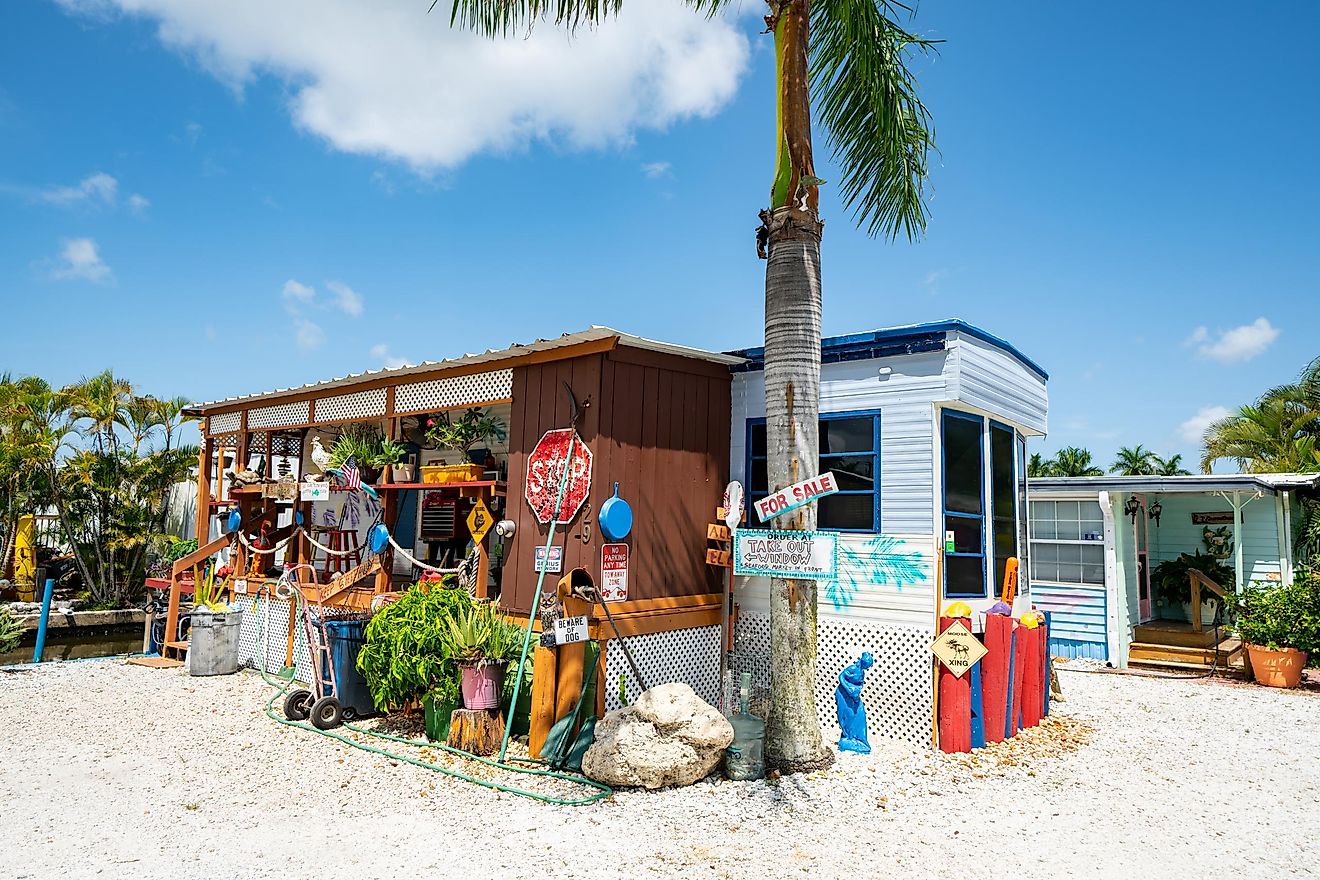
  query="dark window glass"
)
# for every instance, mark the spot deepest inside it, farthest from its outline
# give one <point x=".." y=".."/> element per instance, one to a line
<point x="962" y="464"/>
<point x="759" y="485"/>
<point x="847" y="435"/>
<point x="963" y="576"/>
<point x="846" y="512"/>
<point x="758" y="439"/>
<point x="966" y="533"/>
<point x="856" y="473"/>
<point x="1023" y="545"/>
<point x="1003" y="493"/>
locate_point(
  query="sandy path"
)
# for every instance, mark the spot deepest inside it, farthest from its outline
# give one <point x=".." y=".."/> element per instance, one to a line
<point x="116" y="771"/>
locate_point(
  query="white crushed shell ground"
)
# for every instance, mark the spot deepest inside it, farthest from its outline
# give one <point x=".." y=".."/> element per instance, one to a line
<point x="109" y="770"/>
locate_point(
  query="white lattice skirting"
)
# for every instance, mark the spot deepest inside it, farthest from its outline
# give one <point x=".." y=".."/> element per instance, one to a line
<point x="270" y="621"/>
<point x="687" y="655"/>
<point x="897" y="693"/>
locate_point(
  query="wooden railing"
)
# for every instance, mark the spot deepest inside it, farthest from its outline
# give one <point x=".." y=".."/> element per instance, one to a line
<point x="1198" y="581"/>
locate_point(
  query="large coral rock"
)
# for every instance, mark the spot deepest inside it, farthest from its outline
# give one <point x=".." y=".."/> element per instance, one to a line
<point x="670" y="736"/>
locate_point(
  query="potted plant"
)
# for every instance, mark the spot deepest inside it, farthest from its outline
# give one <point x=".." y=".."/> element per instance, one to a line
<point x="214" y="628"/>
<point x="460" y="435"/>
<point x="362" y="442"/>
<point x="482" y="642"/>
<point x="391" y="456"/>
<point x="407" y="658"/>
<point x="1171" y="587"/>
<point x="1280" y="627"/>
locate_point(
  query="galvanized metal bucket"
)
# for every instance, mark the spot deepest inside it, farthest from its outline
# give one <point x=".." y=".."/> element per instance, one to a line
<point x="213" y="642"/>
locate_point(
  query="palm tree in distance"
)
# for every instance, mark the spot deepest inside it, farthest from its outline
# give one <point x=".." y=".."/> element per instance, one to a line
<point x="1170" y="467"/>
<point x="852" y="56"/>
<point x="1073" y="461"/>
<point x="1134" y="461"/>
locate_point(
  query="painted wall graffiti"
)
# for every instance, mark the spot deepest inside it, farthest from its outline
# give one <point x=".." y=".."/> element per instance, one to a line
<point x="877" y="560"/>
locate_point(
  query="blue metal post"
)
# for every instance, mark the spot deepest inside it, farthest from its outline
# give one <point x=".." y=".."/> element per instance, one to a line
<point x="41" y="624"/>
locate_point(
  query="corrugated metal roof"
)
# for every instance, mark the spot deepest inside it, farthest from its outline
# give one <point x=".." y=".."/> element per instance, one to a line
<point x="1171" y="485"/>
<point x="490" y="356"/>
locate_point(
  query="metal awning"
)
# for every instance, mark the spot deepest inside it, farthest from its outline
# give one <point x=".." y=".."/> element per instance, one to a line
<point x="1196" y="483"/>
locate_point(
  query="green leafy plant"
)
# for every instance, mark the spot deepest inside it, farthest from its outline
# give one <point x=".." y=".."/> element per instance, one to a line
<point x="1282" y="617"/>
<point x="469" y="634"/>
<point x="474" y="426"/>
<point x="1170" y="584"/>
<point x="362" y="441"/>
<point x="407" y="654"/>
<point x="390" y="453"/>
<point x="10" y="630"/>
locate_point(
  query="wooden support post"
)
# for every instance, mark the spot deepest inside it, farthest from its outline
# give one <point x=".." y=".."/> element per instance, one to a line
<point x="202" y="528"/>
<point x="1032" y="701"/>
<point x="293" y="630"/>
<point x="572" y="658"/>
<point x="1019" y="677"/>
<point x="955" y="712"/>
<point x="998" y="640"/>
<point x="602" y="686"/>
<point x="544" y="677"/>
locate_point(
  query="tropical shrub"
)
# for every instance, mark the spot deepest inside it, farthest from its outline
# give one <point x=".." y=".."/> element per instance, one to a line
<point x="1283" y="617"/>
<point x="1169" y="580"/>
<point x="408" y="651"/>
<point x="10" y="631"/>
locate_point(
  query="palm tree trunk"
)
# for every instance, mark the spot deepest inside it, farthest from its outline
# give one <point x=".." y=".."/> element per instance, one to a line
<point x="792" y="233"/>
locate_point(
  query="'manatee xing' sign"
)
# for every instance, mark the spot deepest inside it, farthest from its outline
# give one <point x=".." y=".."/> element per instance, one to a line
<point x="786" y="554"/>
<point x="796" y="495"/>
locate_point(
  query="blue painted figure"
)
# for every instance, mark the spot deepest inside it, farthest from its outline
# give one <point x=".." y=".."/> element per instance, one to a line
<point x="848" y="700"/>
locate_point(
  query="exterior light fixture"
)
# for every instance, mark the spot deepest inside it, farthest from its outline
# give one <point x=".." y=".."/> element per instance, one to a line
<point x="1155" y="510"/>
<point x="1132" y="508"/>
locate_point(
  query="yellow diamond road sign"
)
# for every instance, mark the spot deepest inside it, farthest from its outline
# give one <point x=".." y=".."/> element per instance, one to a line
<point x="958" y="649"/>
<point x="479" y="521"/>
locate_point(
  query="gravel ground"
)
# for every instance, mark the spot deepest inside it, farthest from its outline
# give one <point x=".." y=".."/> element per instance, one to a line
<point x="120" y="771"/>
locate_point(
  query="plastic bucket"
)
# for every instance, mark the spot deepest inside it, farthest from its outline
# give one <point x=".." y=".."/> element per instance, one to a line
<point x="213" y="642"/>
<point x="482" y="683"/>
<point x="437" y="718"/>
<point x="346" y="638"/>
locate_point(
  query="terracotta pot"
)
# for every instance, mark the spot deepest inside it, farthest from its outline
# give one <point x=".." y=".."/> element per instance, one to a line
<point x="482" y="683"/>
<point x="1278" y="669"/>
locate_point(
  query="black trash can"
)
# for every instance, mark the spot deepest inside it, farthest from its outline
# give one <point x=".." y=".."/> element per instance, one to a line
<point x="346" y="636"/>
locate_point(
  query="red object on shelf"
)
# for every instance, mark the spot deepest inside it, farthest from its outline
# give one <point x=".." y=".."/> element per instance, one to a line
<point x="955" y="702"/>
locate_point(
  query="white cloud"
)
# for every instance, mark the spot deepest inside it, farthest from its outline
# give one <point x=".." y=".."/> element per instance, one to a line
<point x="296" y="290"/>
<point x="655" y="170"/>
<point x="1193" y="430"/>
<point x="308" y="335"/>
<point x="99" y="187"/>
<point x="348" y="299"/>
<point x="80" y="259"/>
<point x="934" y="279"/>
<point x="381" y="352"/>
<point x="390" y="80"/>
<point x="138" y="204"/>
<point x="1236" y="344"/>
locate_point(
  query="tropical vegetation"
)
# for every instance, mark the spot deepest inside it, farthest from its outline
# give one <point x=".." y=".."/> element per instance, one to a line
<point x="1284" y="616"/>
<point x="1278" y="433"/>
<point x="1170" y="583"/>
<point x="103" y="458"/>
<point x="1130" y="461"/>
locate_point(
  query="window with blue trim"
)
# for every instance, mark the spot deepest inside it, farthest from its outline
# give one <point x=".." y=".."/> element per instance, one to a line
<point x="850" y="447"/>
<point x="964" y="504"/>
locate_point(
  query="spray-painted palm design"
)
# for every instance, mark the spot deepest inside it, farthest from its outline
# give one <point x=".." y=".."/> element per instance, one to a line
<point x="881" y="559"/>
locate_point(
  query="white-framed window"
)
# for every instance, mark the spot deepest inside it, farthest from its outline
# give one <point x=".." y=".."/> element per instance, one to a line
<point x="1067" y="542"/>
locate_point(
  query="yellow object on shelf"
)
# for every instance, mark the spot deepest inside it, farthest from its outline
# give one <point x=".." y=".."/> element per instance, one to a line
<point x="958" y="609"/>
<point x="451" y="473"/>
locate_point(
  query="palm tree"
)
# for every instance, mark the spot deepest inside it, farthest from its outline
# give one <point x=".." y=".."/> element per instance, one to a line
<point x="1073" y="461"/>
<point x="1170" y="467"/>
<point x="1277" y="434"/>
<point x="1134" y="461"/>
<point x="1037" y="466"/>
<point x="853" y="55"/>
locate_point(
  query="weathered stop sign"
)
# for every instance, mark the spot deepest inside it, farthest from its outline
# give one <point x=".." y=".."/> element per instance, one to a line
<point x="545" y="468"/>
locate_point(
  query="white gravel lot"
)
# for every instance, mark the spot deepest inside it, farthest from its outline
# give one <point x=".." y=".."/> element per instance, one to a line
<point x="118" y="771"/>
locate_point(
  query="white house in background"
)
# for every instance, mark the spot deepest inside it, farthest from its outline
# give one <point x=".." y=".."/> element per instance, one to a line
<point x="926" y="429"/>
<point x="1096" y="540"/>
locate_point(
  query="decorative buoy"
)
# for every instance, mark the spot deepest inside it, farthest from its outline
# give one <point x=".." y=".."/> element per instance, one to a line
<point x="235" y="521"/>
<point x="378" y="538"/>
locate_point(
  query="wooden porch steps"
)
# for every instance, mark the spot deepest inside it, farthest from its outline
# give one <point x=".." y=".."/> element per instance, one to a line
<point x="1173" y="632"/>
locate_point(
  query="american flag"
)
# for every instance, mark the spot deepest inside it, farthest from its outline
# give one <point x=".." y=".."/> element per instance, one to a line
<point x="352" y="476"/>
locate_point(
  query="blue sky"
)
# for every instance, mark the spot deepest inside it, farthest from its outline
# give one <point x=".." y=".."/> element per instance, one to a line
<point x="1129" y="198"/>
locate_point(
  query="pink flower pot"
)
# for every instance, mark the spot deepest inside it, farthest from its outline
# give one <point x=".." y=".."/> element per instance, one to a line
<point x="482" y="684"/>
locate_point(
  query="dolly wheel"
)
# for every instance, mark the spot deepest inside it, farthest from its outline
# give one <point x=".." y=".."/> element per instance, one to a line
<point x="327" y="714"/>
<point x="349" y="713"/>
<point x="298" y="705"/>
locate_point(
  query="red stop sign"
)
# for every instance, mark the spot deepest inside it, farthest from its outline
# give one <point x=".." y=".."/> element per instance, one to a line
<point x="545" y="469"/>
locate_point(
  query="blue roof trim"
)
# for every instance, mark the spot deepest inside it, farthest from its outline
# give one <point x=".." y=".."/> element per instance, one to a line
<point x="909" y="339"/>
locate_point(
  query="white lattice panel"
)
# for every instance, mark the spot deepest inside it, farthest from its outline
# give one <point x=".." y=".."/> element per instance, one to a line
<point x="279" y="416"/>
<point x="224" y="423"/>
<point x="268" y="625"/>
<point x="687" y="655"/>
<point x="346" y="407"/>
<point x="897" y="693"/>
<point x="440" y="394"/>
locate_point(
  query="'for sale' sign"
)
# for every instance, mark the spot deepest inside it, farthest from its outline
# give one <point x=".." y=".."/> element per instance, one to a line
<point x="614" y="572"/>
<point x="796" y="495"/>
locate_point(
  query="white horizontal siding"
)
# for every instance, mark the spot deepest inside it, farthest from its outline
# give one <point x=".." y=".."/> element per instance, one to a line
<point x="907" y="468"/>
<point x="992" y="380"/>
<point x="866" y="590"/>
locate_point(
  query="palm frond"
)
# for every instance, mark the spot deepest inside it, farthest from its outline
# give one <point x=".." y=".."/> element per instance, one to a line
<point x="499" y="18"/>
<point x="875" y="124"/>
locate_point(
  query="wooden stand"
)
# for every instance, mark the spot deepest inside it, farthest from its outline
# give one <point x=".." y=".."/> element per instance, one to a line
<point x="478" y="731"/>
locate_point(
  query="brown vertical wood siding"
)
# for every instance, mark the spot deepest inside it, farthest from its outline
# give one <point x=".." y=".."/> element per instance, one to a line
<point x="658" y="424"/>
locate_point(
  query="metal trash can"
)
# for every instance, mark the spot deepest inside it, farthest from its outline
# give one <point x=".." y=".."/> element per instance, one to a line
<point x="346" y="636"/>
<point x="213" y="642"/>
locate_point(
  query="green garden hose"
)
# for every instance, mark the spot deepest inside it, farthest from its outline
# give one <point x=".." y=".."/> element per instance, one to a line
<point x="282" y="686"/>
